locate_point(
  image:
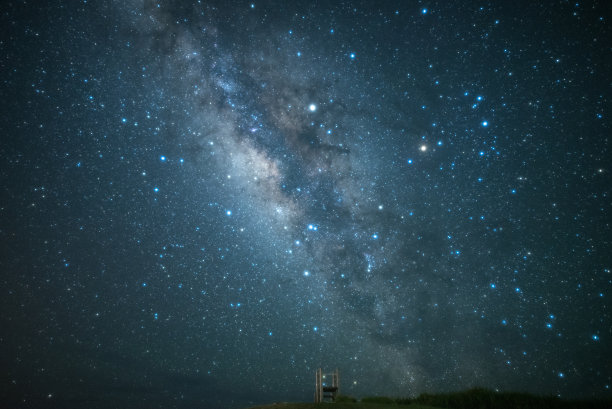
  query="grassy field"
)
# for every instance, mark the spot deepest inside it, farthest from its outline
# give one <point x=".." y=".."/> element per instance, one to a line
<point x="476" y="398"/>
<point x="341" y="406"/>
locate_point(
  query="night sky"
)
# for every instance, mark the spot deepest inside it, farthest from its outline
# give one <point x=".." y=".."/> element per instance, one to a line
<point x="203" y="203"/>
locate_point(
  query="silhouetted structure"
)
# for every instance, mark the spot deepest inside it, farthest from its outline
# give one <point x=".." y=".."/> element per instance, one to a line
<point x="327" y="386"/>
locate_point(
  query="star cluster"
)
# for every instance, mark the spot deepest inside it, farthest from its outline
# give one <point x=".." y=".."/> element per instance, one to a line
<point x="203" y="203"/>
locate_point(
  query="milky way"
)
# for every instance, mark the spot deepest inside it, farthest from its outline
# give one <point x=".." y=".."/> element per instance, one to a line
<point x="203" y="203"/>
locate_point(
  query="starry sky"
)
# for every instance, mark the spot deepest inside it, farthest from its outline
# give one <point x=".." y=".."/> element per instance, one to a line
<point x="203" y="202"/>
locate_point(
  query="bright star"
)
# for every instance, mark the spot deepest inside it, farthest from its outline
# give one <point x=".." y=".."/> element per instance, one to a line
<point x="312" y="107"/>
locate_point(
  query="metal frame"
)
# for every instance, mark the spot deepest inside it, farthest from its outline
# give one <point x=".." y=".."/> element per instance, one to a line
<point x="323" y="391"/>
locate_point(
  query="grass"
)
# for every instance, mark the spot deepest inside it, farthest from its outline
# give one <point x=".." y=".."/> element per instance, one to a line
<point x="477" y="398"/>
<point x="348" y="405"/>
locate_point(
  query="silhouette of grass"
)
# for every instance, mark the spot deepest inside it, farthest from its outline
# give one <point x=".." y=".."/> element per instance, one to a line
<point x="476" y="398"/>
<point x="339" y="405"/>
<point x="345" y="399"/>
<point x="479" y="398"/>
<point x="379" y="400"/>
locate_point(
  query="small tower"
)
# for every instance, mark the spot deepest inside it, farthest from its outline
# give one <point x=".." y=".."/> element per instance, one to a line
<point x="327" y="386"/>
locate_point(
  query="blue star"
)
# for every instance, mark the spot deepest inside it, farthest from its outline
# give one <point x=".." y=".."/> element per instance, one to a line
<point x="162" y="158"/>
<point x="352" y="55"/>
<point x="424" y="11"/>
